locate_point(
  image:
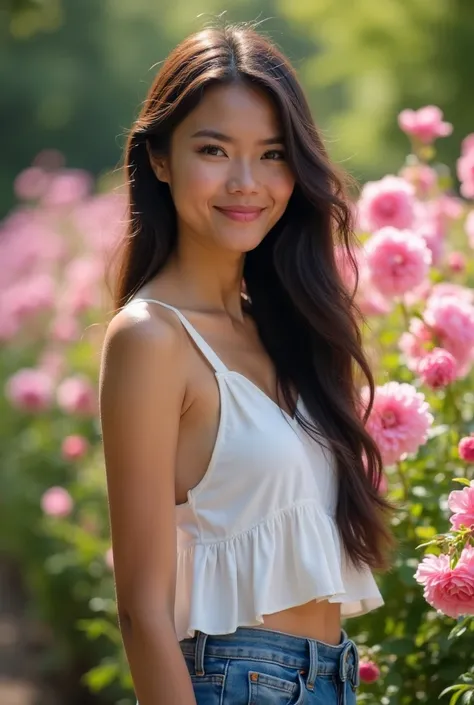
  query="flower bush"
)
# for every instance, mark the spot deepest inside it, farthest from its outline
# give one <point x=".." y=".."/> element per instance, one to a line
<point x="415" y="290"/>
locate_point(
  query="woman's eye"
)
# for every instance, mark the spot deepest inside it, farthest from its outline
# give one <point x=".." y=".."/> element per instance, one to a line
<point x="275" y="155"/>
<point x="212" y="150"/>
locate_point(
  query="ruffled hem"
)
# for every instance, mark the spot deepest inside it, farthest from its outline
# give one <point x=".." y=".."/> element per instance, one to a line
<point x="232" y="583"/>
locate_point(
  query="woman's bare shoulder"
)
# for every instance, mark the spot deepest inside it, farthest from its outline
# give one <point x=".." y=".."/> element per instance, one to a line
<point x="140" y="323"/>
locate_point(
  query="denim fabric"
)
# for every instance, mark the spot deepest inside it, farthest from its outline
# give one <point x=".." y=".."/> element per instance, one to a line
<point x="261" y="667"/>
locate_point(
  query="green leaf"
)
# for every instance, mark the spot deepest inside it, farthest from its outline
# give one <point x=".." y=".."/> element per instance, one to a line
<point x="95" y="628"/>
<point x="460" y="628"/>
<point x="462" y="481"/>
<point x="457" y="691"/>
<point x="101" y="676"/>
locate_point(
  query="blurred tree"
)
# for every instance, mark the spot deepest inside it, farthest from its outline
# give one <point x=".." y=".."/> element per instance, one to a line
<point x="376" y="59"/>
<point x="24" y="18"/>
<point x="77" y="88"/>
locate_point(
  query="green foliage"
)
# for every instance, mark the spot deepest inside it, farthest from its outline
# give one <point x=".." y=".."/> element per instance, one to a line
<point x="73" y="73"/>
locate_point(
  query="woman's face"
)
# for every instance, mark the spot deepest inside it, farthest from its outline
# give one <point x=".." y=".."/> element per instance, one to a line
<point x="227" y="170"/>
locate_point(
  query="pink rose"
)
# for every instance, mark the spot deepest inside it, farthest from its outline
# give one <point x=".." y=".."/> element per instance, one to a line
<point x="437" y="369"/>
<point x="450" y="591"/>
<point x="369" y="672"/>
<point x="425" y="124"/>
<point x="65" y="329"/>
<point x="466" y="449"/>
<point x="75" y="395"/>
<point x="31" y="183"/>
<point x="461" y="502"/>
<point x="74" y="447"/>
<point x="30" y="390"/>
<point x="465" y="171"/>
<point x="57" y="502"/>
<point x="389" y="201"/>
<point x="413" y="344"/>
<point x="464" y="293"/>
<point x="429" y="224"/>
<point x="398" y="261"/>
<point x="345" y="268"/>
<point x="423" y="178"/>
<point x="452" y="321"/>
<point x="457" y="262"/>
<point x="399" y="420"/>
<point x="66" y="187"/>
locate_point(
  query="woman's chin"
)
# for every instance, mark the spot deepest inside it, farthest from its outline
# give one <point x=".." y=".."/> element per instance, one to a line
<point x="240" y="242"/>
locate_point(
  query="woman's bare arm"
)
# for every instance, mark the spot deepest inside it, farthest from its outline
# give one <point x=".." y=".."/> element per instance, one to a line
<point x="142" y="389"/>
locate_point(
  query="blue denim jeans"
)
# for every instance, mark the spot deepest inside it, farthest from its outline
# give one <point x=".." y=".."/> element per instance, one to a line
<point x="255" y="666"/>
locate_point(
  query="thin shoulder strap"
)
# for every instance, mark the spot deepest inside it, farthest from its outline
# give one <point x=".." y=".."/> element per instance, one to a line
<point x="206" y="349"/>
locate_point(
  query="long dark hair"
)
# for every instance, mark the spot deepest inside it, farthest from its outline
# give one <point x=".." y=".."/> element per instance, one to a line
<point x="306" y="318"/>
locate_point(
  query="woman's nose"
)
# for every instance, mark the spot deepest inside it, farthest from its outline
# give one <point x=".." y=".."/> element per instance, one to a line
<point x="243" y="179"/>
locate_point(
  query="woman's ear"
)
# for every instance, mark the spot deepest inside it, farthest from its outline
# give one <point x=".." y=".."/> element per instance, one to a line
<point x="159" y="164"/>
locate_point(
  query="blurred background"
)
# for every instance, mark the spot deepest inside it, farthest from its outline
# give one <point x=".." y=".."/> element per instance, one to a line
<point x="73" y="74"/>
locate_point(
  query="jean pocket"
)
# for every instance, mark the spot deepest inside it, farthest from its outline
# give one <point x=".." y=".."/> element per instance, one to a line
<point x="265" y="689"/>
<point x="208" y="689"/>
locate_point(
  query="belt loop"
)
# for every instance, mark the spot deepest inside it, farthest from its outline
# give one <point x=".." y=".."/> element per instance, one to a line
<point x="313" y="664"/>
<point x="355" y="673"/>
<point x="346" y="668"/>
<point x="201" y="639"/>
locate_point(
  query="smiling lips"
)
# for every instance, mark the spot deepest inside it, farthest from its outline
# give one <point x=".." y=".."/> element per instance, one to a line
<point x="242" y="214"/>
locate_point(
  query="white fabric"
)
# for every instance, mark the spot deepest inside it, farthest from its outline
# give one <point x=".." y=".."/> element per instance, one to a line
<point x="258" y="535"/>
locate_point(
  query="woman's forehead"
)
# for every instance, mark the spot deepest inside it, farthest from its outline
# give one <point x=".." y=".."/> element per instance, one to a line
<point x="235" y="110"/>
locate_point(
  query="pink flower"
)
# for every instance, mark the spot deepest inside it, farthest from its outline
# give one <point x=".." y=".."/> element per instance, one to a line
<point x="75" y="395"/>
<point x="465" y="171"/>
<point x="65" y="329"/>
<point x="31" y="183"/>
<point x="369" y="672"/>
<point x="101" y="220"/>
<point x="469" y="227"/>
<point x="437" y="369"/>
<point x="441" y="289"/>
<point x="450" y="591"/>
<point x="67" y="187"/>
<point x="457" y="262"/>
<point x="423" y="178"/>
<point x="430" y="224"/>
<point x="109" y="558"/>
<point x="30" y="390"/>
<point x="415" y="343"/>
<point x="369" y="299"/>
<point x="461" y="502"/>
<point x="425" y="124"/>
<point x="57" y="502"/>
<point x="50" y="159"/>
<point x="399" y="420"/>
<point x="389" y="201"/>
<point x="447" y="208"/>
<point x="345" y="267"/>
<point x="452" y="321"/>
<point x="398" y="261"/>
<point x="466" y="449"/>
<point x="52" y="363"/>
<point x="74" y="447"/>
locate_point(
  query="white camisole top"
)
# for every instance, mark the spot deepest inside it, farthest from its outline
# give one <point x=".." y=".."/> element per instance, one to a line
<point x="258" y="535"/>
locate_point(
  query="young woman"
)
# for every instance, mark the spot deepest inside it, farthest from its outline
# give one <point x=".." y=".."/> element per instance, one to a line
<point x="242" y="484"/>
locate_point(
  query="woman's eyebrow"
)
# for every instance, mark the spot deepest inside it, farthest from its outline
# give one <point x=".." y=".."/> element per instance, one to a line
<point x="216" y="135"/>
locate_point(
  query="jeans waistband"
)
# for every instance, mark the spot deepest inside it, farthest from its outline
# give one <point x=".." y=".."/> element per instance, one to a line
<point x="308" y="655"/>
